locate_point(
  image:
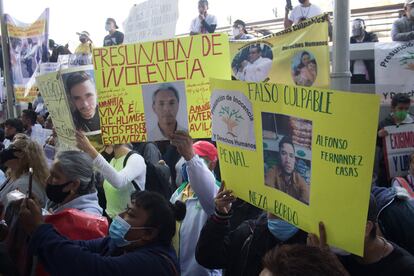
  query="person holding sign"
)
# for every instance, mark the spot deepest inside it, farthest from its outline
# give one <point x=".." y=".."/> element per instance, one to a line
<point x="400" y="106"/>
<point x="204" y="23"/>
<point x="165" y="105"/>
<point x="197" y="191"/>
<point x="240" y="252"/>
<point x="284" y="177"/>
<point x="82" y="94"/>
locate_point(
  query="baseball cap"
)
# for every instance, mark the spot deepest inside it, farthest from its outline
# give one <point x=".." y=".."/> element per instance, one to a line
<point x="408" y="2"/>
<point x="206" y="149"/>
<point x="240" y="22"/>
<point x="109" y="19"/>
<point x="85" y="33"/>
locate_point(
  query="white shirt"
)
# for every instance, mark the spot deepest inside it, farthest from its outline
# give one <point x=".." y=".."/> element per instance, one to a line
<point x="307" y="12"/>
<point x="256" y="71"/>
<point x="196" y="23"/>
<point x="135" y="169"/>
<point x="156" y="134"/>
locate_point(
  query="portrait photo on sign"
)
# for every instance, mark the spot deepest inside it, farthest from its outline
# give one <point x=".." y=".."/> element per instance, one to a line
<point x="287" y="153"/>
<point x="165" y="107"/>
<point x="253" y="63"/>
<point x="304" y="68"/>
<point x="83" y="100"/>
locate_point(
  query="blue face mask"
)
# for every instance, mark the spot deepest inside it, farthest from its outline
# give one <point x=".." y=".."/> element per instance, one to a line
<point x="281" y="229"/>
<point x="117" y="231"/>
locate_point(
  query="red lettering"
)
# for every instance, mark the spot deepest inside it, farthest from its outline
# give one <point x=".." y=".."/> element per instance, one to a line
<point x="206" y="45"/>
<point x="216" y="45"/>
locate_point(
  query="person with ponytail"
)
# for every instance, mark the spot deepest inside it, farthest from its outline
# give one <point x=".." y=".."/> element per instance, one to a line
<point x="139" y="242"/>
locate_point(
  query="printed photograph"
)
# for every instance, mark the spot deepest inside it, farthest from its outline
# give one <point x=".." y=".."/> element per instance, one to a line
<point x="287" y="152"/>
<point x="253" y="63"/>
<point x="165" y="107"/>
<point x="304" y="69"/>
<point x="83" y="100"/>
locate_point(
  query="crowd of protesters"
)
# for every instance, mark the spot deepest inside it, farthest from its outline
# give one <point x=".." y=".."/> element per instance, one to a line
<point x="161" y="208"/>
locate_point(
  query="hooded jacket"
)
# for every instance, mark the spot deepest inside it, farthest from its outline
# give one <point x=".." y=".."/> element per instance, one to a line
<point x="86" y="203"/>
<point x="99" y="257"/>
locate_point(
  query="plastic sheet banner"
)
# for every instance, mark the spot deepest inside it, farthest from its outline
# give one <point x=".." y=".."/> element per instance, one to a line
<point x="151" y="20"/>
<point x="158" y="87"/>
<point x="399" y="147"/>
<point x="299" y="153"/>
<point x="394" y="69"/>
<point x="28" y="49"/>
<point x="298" y="55"/>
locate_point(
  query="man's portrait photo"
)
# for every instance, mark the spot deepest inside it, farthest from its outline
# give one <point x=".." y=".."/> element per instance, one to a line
<point x="82" y="96"/>
<point x="253" y="63"/>
<point x="287" y="160"/>
<point x="165" y="107"/>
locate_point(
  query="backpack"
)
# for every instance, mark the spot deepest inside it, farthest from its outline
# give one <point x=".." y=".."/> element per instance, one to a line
<point x="157" y="178"/>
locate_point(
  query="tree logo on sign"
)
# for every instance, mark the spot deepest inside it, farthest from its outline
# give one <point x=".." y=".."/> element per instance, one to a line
<point x="231" y="117"/>
<point x="408" y="61"/>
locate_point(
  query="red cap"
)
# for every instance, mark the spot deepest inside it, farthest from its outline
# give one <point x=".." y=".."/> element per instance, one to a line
<point x="206" y="149"/>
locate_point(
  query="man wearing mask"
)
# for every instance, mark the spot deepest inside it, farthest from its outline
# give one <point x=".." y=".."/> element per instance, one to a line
<point x="11" y="128"/>
<point x="362" y="70"/>
<point x="85" y="46"/>
<point x="241" y="252"/>
<point x="204" y="23"/>
<point x="300" y="13"/>
<point x="400" y="105"/>
<point x="239" y="31"/>
<point x="403" y="28"/>
<point x="114" y="37"/>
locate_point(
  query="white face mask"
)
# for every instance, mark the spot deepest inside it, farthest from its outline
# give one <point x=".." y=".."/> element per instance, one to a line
<point x="236" y="31"/>
<point x="107" y="27"/>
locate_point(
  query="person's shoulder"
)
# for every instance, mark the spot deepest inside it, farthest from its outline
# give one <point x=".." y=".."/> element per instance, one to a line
<point x="316" y="8"/>
<point x="402" y="260"/>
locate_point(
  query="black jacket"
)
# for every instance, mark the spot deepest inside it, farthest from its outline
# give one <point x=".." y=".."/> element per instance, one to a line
<point x="241" y="251"/>
<point x="369" y="64"/>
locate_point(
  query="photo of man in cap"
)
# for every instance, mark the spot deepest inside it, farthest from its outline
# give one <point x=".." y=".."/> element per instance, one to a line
<point x="85" y="46"/>
<point x="114" y="37"/>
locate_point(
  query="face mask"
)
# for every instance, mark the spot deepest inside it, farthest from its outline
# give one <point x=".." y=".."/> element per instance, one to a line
<point x="55" y="192"/>
<point x="118" y="230"/>
<point x="302" y="1"/>
<point x="236" y="31"/>
<point x="107" y="27"/>
<point x="281" y="229"/>
<point x="400" y="115"/>
<point x="356" y="31"/>
<point x="83" y="40"/>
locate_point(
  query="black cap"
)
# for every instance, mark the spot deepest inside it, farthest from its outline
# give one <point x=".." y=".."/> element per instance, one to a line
<point x="109" y="19"/>
<point x="240" y="22"/>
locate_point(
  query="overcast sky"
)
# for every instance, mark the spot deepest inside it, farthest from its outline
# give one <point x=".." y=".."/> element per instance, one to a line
<point x="69" y="17"/>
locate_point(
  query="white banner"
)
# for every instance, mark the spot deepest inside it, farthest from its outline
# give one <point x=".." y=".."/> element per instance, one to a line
<point x="399" y="146"/>
<point x="394" y="69"/>
<point x="151" y="20"/>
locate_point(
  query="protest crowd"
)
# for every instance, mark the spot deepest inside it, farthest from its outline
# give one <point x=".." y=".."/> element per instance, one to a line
<point x="160" y="206"/>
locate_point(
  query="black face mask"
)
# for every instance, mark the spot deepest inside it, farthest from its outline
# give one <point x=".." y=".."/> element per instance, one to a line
<point x="301" y="1"/>
<point x="83" y="40"/>
<point x="55" y="192"/>
<point x="8" y="154"/>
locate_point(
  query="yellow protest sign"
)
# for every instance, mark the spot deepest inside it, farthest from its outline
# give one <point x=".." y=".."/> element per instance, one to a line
<point x="134" y="80"/>
<point x="299" y="153"/>
<point x="53" y="93"/>
<point x="298" y="55"/>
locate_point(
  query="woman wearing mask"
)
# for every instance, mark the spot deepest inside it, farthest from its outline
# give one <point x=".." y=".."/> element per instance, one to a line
<point x="21" y="155"/>
<point x="139" y="241"/>
<point x="241" y="251"/>
<point x="240" y="32"/>
<point x="122" y="175"/>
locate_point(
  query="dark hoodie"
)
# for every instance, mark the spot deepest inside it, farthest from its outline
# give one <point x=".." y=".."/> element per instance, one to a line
<point x="395" y="217"/>
<point x="61" y="256"/>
